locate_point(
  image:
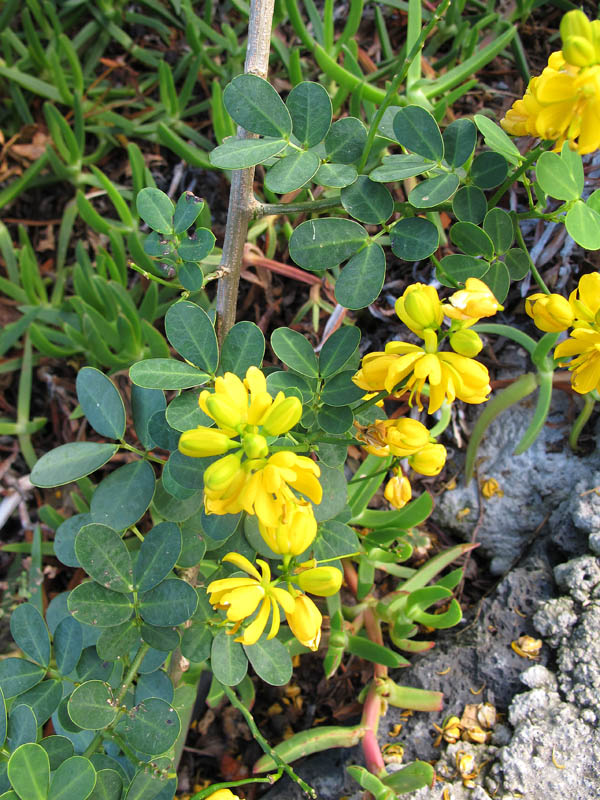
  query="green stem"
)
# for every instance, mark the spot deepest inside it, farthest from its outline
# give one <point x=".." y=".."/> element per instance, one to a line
<point x="509" y="332"/>
<point x="371" y="401"/>
<point x="215" y="787"/>
<point x="155" y="278"/>
<point x="544" y="380"/>
<point x="538" y="278"/>
<point x="413" y="31"/>
<point x="147" y="456"/>
<point x="515" y="175"/>
<point x="233" y="699"/>
<point x="24" y="404"/>
<point x="586" y="412"/>
<point x="444" y="421"/>
<point x="266" y="209"/>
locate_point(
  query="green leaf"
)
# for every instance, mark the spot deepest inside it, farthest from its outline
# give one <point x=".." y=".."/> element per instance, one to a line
<point x="156" y="209"/>
<point x="345" y="141"/>
<point x="433" y="191"/>
<point x="193" y="547"/>
<point x="161" y="434"/>
<point x="243" y="153"/>
<point x="244" y="347"/>
<point x="123" y="497"/>
<point x="364" y="648"/>
<point x="289" y="384"/>
<point x="187" y="211"/>
<point x="68" y="644"/>
<point x="271" y="661"/>
<point x="43" y="700"/>
<point x="22" y="726"/>
<point x="517" y="263"/>
<point x="469" y="205"/>
<point x="499" y="227"/>
<point x="64" y="539"/>
<point x="154" y="684"/>
<point x="92" y="706"/>
<point x="459" y="268"/>
<point x="471" y="239"/>
<point x="416" y="129"/>
<point x="145" y="403"/>
<point x="227" y="659"/>
<point x="311" y="112"/>
<point x="69" y="462"/>
<point x="147" y="786"/>
<point x="30" y="633"/>
<point x="196" y="642"/>
<point x="414" y="239"/>
<point x="104" y="556"/>
<point x="192" y="334"/>
<point x="367" y="201"/>
<point x="173" y="509"/>
<point x="186" y="472"/>
<point x="73" y="780"/>
<point x="197" y="247"/>
<point x="94" y="605"/>
<point x="109" y="785"/>
<point x="165" y="373"/>
<point x="488" y="170"/>
<point x="170" y="603"/>
<point x="184" y="413"/>
<point x="29" y="772"/>
<point x="583" y="225"/>
<point x="410" y="778"/>
<point x="117" y="642"/>
<point x="101" y="403"/>
<point x="158" y="555"/>
<point x="460" y="138"/>
<point x="151" y="727"/>
<point x="496" y="139"/>
<point x="361" y="280"/>
<point x="3" y="723"/>
<point x="59" y="749"/>
<point x="18" y="675"/>
<point x="254" y="104"/>
<point x="340" y="390"/>
<point x="335" y="419"/>
<point x="335" y="493"/>
<point x="338" y="349"/>
<point x="398" y="167"/>
<point x="335" y="175"/>
<point x="593" y="200"/>
<point x="319" y="244"/>
<point x="292" y="172"/>
<point x="159" y="638"/>
<point x="335" y="540"/>
<point x="294" y="350"/>
<point x="498" y="279"/>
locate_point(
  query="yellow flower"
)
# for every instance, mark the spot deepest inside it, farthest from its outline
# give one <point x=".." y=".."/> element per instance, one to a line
<point x="398" y="491"/>
<point x="295" y="532"/>
<point x="476" y="300"/>
<point x="223" y="794"/>
<point x="242" y="596"/>
<point x="305" y="621"/>
<point x="449" y="375"/>
<point x="323" y="581"/>
<point x="561" y="104"/>
<point x="550" y="312"/>
<point x="491" y="488"/>
<point x="583" y="346"/>
<point x="429" y="460"/>
<point x="585" y="300"/>
<point x="420" y="308"/>
<point x="399" y="437"/>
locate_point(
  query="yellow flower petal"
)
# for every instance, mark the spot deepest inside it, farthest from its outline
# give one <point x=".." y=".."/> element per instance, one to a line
<point x="242" y="562"/>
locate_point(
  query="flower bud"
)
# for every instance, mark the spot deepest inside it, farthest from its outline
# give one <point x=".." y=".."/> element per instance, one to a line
<point x="295" y="532"/>
<point x="398" y="491"/>
<point x="255" y="445"/>
<point x="596" y="38"/>
<point x="201" y="442"/>
<point x="430" y="460"/>
<point x="223" y="794"/>
<point x="323" y="581"/>
<point x="282" y="416"/>
<point x="420" y="308"/>
<point x="550" y="312"/>
<point x="476" y="300"/>
<point x="466" y="342"/>
<point x="575" y="23"/>
<point x="305" y="622"/>
<point x="223" y="411"/>
<point x="220" y="474"/>
<point x="405" y="436"/>
<point x="578" y="51"/>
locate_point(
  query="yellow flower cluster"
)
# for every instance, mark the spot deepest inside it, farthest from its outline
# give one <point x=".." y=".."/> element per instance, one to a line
<point x="563" y="103"/>
<point x="554" y="313"/>
<point x="405" y="438"/>
<point x="248" y="478"/>
<point x="407" y="368"/>
<point x="241" y="597"/>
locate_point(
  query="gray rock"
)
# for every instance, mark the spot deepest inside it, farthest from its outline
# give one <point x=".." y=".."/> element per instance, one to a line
<point x="579" y="663"/>
<point x="554" y="619"/>
<point x="578" y="577"/>
<point x="539" y="677"/>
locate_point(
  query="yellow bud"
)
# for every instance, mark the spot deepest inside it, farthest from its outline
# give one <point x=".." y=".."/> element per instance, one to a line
<point x="466" y="342"/>
<point x="282" y="416"/>
<point x="420" y="307"/>
<point x="398" y="491"/>
<point x="476" y="300"/>
<point x="575" y="23"/>
<point x="578" y="51"/>
<point x="405" y="436"/>
<point x="295" y="532"/>
<point x="430" y="460"/>
<point x="223" y="411"/>
<point x="305" y="622"/>
<point x="596" y="37"/>
<point x="550" y="312"/>
<point x="323" y="581"/>
<point x="220" y="474"/>
<point x="255" y="445"/>
<point x="223" y="794"/>
<point x="201" y="442"/>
